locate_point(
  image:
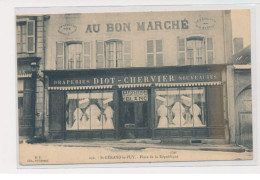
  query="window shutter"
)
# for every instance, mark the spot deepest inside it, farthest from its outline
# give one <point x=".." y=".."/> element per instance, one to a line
<point x="100" y="61"/>
<point x="181" y="50"/>
<point x="150" y="53"/>
<point x="127" y="53"/>
<point x="31" y="36"/>
<point x="159" y="54"/>
<point x="60" y="55"/>
<point x="210" y="50"/>
<point x="87" y="54"/>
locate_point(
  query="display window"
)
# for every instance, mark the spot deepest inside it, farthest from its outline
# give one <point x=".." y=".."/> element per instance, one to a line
<point x="89" y="111"/>
<point x="180" y="107"/>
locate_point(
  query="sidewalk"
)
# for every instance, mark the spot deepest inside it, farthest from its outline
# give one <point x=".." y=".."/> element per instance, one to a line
<point x="138" y="144"/>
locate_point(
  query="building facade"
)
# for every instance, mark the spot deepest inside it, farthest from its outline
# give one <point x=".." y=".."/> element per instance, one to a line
<point x="152" y="75"/>
<point x="30" y="61"/>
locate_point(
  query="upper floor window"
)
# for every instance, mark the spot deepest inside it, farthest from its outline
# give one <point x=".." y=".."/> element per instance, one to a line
<point x="113" y="53"/>
<point x="73" y="55"/>
<point x="25" y="36"/>
<point x="195" y="50"/>
<point x="154" y="53"/>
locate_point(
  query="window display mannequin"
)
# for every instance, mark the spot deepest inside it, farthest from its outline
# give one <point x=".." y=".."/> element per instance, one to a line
<point x="178" y="111"/>
<point x="93" y="112"/>
<point x="84" y="123"/>
<point x="196" y="111"/>
<point x="162" y="112"/>
<point x="108" y="124"/>
<point x="187" y="116"/>
<point x="77" y="115"/>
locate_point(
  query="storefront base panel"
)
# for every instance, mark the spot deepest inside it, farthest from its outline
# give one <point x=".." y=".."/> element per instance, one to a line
<point x="88" y="135"/>
<point x="26" y="131"/>
<point x="209" y="132"/>
<point x="139" y="133"/>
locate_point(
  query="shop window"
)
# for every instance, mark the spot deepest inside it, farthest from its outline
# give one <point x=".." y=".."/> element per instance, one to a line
<point x="85" y="111"/>
<point x="154" y="53"/>
<point x="25" y="36"/>
<point x="180" y="107"/>
<point x="195" y="50"/>
<point x="113" y="54"/>
<point x="73" y="55"/>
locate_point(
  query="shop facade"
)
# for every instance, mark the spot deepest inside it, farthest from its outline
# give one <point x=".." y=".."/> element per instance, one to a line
<point x="130" y="103"/>
<point x="136" y="75"/>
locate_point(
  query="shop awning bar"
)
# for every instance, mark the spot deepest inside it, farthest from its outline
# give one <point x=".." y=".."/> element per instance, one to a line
<point x="80" y="87"/>
<point x="188" y="84"/>
<point x="134" y="85"/>
<point x="28" y="75"/>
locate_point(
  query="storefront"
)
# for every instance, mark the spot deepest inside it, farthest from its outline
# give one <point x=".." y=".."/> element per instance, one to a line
<point x="26" y="86"/>
<point x="173" y="101"/>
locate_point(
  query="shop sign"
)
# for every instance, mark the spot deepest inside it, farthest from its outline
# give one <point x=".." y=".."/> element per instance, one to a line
<point x="205" y="23"/>
<point x="136" y="79"/>
<point x="67" y="29"/>
<point x="135" y="95"/>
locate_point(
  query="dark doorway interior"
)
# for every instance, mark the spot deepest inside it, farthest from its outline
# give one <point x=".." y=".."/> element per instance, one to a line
<point x="133" y="122"/>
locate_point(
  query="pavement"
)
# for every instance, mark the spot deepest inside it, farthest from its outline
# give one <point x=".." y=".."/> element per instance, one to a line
<point x="138" y="144"/>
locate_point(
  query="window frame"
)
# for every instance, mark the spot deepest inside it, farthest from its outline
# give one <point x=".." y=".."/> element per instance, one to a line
<point x="123" y="52"/>
<point x="205" y="50"/>
<point x="204" y="117"/>
<point x="154" y="53"/>
<point x="102" y="111"/>
<point x="27" y="35"/>
<point x="63" y="55"/>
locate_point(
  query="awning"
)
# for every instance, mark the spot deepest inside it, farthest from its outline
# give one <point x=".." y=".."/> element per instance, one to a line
<point x="188" y="84"/>
<point x="80" y="87"/>
<point x="27" y="75"/>
<point x="134" y="85"/>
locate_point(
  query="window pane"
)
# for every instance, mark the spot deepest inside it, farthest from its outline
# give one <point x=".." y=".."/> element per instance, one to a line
<point x="150" y="46"/>
<point x="180" y="107"/>
<point x="190" y="57"/>
<point x="89" y="111"/>
<point x="74" y="56"/>
<point x="161" y="109"/>
<point x="73" y="113"/>
<point x="186" y="102"/>
<point x="198" y="107"/>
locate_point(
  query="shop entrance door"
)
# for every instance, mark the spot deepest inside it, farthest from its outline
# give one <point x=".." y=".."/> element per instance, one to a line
<point x="134" y="119"/>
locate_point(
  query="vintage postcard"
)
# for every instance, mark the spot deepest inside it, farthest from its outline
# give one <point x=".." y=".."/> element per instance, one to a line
<point x="114" y="87"/>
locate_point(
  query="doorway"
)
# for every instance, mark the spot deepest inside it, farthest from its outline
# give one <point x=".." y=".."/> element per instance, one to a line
<point x="134" y="117"/>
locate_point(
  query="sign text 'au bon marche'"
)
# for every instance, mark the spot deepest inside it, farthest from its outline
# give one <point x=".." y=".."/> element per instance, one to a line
<point x="115" y="80"/>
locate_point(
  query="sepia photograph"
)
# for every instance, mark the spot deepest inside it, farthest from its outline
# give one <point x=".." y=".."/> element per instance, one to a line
<point x="134" y="87"/>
